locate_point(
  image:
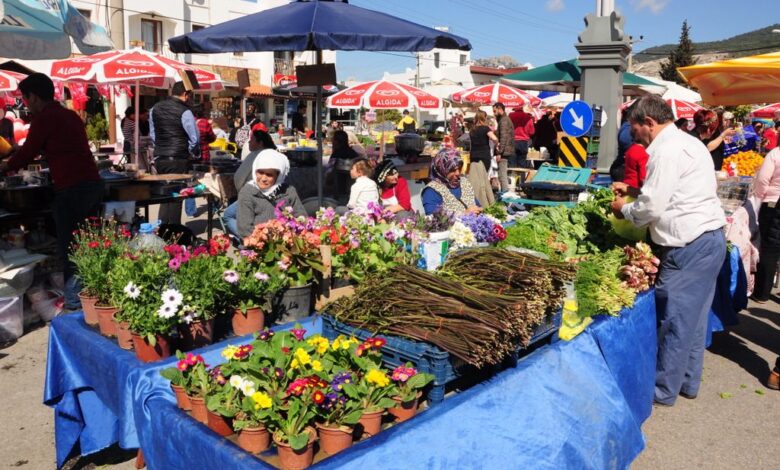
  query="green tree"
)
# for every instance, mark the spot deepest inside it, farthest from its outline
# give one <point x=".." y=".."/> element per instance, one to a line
<point x="681" y="56"/>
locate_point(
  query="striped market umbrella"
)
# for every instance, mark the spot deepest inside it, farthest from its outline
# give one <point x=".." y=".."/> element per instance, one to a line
<point x="767" y="112"/>
<point x="732" y="82"/>
<point x="381" y="94"/>
<point x="496" y="92"/>
<point x="680" y="108"/>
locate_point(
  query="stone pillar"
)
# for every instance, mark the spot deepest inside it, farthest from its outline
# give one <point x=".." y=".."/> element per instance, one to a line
<point x="604" y="49"/>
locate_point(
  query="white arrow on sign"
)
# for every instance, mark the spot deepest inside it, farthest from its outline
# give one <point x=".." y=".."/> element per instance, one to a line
<point x="577" y="119"/>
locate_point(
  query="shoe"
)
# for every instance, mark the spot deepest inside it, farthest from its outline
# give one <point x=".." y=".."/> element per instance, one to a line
<point x="688" y="396"/>
<point x="659" y="403"/>
<point x="773" y="381"/>
<point x="758" y="301"/>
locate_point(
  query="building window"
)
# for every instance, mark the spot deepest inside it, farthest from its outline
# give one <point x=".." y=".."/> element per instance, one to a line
<point x="238" y="54"/>
<point x="463" y="59"/>
<point x="436" y="59"/>
<point x="151" y="34"/>
<point x="85" y="13"/>
<point x="197" y="27"/>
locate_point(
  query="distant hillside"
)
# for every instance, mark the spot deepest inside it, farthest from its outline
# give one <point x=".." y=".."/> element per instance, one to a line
<point x="754" y="42"/>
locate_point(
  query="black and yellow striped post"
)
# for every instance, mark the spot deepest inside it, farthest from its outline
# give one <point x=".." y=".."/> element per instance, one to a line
<point x="573" y="151"/>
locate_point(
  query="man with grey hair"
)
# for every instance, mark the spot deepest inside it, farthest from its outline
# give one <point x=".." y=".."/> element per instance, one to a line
<point x="679" y="204"/>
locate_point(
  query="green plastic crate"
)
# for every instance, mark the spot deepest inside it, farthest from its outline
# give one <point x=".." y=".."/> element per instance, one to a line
<point x="563" y="174"/>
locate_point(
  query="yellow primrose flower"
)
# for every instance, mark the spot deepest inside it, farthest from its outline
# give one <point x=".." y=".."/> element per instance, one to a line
<point x="229" y="352"/>
<point x="377" y="377"/>
<point x="262" y="400"/>
<point x="302" y="356"/>
<point x="316" y="365"/>
<point x="321" y="344"/>
<point x="294" y="364"/>
<point x="337" y="342"/>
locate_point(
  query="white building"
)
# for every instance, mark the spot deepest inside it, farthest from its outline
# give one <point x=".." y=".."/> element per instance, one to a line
<point x="150" y="23"/>
<point x="445" y="71"/>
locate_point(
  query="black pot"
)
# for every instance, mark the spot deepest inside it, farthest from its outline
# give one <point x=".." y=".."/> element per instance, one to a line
<point x="301" y="157"/>
<point x="409" y="143"/>
<point x="26" y="198"/>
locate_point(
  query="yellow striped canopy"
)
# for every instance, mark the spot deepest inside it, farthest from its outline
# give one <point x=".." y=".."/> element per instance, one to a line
<point x="732" y="82"/>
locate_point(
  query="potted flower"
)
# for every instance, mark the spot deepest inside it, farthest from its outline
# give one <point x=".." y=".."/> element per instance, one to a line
<point x="373" y="388"/>
<point x="149" y="311"/>
<point x="255" y="415"/>
<point x="95" y="247"/>
<point x="190" y="369"/>
<point x="337" y="415"/>
<point x="250" y="287"/>
<point x="224" y="402"/>
<point x="409" y="384"/>
<point x="195" y="276"/>
<point x="294" y="436"/>
<point x="291" y="247"/>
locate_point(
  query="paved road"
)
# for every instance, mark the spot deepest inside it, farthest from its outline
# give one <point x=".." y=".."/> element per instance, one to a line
<point x="733" y="424"/>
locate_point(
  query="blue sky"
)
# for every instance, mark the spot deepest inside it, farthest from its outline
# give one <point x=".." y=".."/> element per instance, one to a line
<point x="544" y="31"/>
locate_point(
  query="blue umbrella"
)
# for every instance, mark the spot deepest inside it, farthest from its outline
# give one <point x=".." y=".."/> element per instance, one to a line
<point x="42" y="29"/>
<point x="317" y="25"/>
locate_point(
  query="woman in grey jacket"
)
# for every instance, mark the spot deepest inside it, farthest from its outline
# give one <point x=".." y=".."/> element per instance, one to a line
<point x="258" y="198"/>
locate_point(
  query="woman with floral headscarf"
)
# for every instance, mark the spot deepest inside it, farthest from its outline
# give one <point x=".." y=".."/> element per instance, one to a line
<point x="394" y="190"/>
<point x="448" y="190"/>
<point x="259" y="197"/>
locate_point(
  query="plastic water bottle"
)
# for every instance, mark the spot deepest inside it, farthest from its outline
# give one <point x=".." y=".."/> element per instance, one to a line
<point x="147" y="240"/>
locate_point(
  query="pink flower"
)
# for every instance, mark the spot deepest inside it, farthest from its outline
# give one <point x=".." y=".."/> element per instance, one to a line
<point x="262" y="277"/>
<point x="182" y="365"/>
<point x="402" y="373"/>
<point x="298" y="333"/>
<point x="283" y="266"/>
<point x="230" y="276"/>
<point x="174" y="264"/>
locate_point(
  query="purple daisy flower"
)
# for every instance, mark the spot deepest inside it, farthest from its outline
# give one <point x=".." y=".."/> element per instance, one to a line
<point x="230" y="276"/>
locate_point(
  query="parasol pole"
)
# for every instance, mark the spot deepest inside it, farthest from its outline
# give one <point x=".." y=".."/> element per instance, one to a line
<point x="318" y="129"/>
<point x="136" y="130"/>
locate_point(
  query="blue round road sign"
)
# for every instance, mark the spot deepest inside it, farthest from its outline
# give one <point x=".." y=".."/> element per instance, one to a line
<point x="577" y="118"/>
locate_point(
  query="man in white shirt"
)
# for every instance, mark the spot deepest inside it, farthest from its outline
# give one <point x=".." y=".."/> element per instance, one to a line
<point x="680" y="205"/>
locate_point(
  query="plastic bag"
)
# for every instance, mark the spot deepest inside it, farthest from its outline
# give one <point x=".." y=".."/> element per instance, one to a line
<point x="626" y="229"/>
<point x="11" y="318"/>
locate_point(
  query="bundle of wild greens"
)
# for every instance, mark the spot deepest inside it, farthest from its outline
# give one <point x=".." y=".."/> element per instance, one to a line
<point x="477" y="325"/>
<point x="598" y="284"/>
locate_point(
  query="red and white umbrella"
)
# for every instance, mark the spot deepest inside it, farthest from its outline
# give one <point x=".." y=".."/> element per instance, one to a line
<point x="9" y="82"/>
<point x="680" y="108"/>
<point x="130" y="67"/>
<point x="496" y="92"/>
<point x="766" y="112"/>
<point x="381" y="94"/>
<point x="133" y="66"/>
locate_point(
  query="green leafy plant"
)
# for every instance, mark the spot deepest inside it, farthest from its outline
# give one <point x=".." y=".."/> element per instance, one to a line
<point x="97" y="129"/>
<point x="409" y="382"/>
<point x="137" y="284"/>
<point x="190" y="373"/>
<point x="94" y="250"/>
<point x="250" y="284"/>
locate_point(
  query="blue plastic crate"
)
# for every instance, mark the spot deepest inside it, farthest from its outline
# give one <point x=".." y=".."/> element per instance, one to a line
<point x="427" y="357"/>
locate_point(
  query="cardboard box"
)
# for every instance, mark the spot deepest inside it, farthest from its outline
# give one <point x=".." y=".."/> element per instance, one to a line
<point x="131" y="192"/>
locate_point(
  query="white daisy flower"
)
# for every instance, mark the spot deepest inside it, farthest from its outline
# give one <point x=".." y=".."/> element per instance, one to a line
<point x="167" y="311"/>
<point x="172" y="297"/>
<point x="132" y="290"/>
<point x="248" y="388"/>
<point x="262" y="277"/>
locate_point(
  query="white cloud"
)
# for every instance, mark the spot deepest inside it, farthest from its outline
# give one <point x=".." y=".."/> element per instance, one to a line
<point x="654" y="6"/>
<point x="555" y="5"/>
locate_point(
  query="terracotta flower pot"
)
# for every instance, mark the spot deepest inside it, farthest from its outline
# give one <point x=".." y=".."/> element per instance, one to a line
<point x="404" y="410"/>
<point x="123" y="335"/>
<point x="199" y="411"/>
<point x="334" y="439"/>
<point x="88" y="306"/>
<point x="148" y="353"/>
<point x="254" y="440"/>
<point x="290" y="459"/>
<point x="196" y="334"/>
<point x="372" y="423"/>
<point x="182" y="399"/>
<point x="254" y="320"/>
<point x="106" y="320"/>
<point x="219" y="424"/>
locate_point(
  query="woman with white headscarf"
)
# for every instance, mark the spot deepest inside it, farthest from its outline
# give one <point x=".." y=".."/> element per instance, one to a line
<point x="259" y="197"/>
